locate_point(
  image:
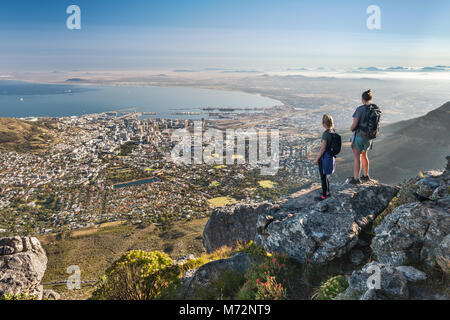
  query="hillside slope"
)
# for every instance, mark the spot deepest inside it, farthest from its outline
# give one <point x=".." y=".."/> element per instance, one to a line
<point x="23" y="136"/>
<point x="406" y="147"/>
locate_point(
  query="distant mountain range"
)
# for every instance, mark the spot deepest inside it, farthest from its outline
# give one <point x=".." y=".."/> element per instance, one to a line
<point x="406" y="147"/>
<point x="404" y="69"/>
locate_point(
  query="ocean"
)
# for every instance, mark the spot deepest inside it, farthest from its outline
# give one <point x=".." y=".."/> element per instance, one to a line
<point x="20" y="99"/>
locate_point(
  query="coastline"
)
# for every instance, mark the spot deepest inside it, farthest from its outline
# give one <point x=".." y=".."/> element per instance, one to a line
<point x="104" y="84"/>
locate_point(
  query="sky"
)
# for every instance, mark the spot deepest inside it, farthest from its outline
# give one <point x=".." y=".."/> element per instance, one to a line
<point x="240" y="34"/>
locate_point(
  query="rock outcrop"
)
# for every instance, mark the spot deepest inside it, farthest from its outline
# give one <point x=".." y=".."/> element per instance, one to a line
<point x="229" y="225"/>
<point x="412" y="233"/>
<point x="418" y="232"/>
<point x="203" y="277"/>
<point x="376" y="281"/>
<point x="317" y="233"/>
<point x="22" y="265"/>
<point x="442" y="254"/>
<point x="51" y="295"/>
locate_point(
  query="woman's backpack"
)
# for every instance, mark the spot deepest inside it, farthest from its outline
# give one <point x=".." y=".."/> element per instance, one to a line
<point x="370" y="123"/>
<point x="335" y="144"/>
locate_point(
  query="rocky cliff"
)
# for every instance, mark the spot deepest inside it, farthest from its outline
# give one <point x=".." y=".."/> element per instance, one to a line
<point x="23" y="262"/>
<point x="320" y="232"/>
<point x="229" y="225"/>
<point x="415" y="233"/>
<point x="301" y="227"/>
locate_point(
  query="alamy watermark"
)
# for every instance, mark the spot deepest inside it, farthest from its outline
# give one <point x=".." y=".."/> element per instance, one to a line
<point x="374" y="281"/>
<point x="74" y="280"/>
<point x="73" y="22"/>
<point x="374" y="20"/>
<point x="213" y="146"/>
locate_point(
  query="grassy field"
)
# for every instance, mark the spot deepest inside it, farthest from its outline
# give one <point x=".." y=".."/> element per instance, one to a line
<point x="266" y="184"/>
<point x="221" y="201"/>
<point x="95" y="249"/>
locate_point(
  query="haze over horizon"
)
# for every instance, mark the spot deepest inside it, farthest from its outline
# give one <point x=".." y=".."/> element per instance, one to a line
<point x="261" y="35"/>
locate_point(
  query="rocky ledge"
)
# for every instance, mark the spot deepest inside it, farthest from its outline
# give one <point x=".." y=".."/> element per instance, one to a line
<point x="229" y="225"/>
<point x="317" y="233"/>
<point x="300" y="227"/>
<point x="23" y="262"/>
<point x="414" y="235"/>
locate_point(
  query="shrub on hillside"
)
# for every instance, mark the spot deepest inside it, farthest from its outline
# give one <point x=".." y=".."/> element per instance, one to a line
<point x="225" y="287"/>
<point x="20" y="296"/>
<point x="138" y="275"/>
<point x="254" y="250"/>
<point x="270" y="279"/>
<point x="332" y="287"/>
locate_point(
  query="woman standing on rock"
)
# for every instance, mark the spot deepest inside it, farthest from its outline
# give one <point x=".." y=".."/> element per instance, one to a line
<point x="325" y="159"/>
<point x="365" y="128"/>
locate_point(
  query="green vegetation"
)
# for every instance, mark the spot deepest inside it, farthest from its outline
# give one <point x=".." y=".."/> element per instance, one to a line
<point x="254" y="250"/>
<point x="138" y="275"/>
<point x="215" y="184"/>
<point x="225" y="287"/>
<point x="95" y="249"/>
<point x="266" y="184"/>
<point x="152" y="275"/>
<point x="276" y="277"/>
<point x="125" y="173"/>
<point x="332" y="287"/>
<point x="21" y="296"/>
<point x="127" y="148"/>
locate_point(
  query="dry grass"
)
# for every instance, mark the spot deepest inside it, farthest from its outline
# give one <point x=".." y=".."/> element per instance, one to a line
<point x="266" y="184"/>
<point x="94" y="251"/>
<point x="221" y="201"/>
<point x="25" y="136"/>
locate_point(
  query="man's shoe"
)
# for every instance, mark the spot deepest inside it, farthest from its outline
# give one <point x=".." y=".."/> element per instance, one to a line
<point x="352" y="180"/>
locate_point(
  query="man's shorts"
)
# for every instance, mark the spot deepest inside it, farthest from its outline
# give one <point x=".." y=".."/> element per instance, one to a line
<point x="361" y="144"/>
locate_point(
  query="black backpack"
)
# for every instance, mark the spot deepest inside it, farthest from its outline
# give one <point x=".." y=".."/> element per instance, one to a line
<point x="335" y="144"/>
<point x="370" y="122"/>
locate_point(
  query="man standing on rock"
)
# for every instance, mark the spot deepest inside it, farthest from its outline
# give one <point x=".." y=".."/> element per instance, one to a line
<point x="365" y="127"/>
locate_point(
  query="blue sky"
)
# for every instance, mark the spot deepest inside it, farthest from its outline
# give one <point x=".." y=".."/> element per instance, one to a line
<point x="245" y="34"/>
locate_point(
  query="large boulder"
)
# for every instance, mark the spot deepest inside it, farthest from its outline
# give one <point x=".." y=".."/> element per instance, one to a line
<point x="22" y="265"/>
<point x="229" y="225"/>
<point x="317" y="233"/>
<point x="204" y="277"/>
<point x="415" y="232"/>
<point x="376" y="281"/>
<point x="418" y="232"/>
<point x="442" y="254"/>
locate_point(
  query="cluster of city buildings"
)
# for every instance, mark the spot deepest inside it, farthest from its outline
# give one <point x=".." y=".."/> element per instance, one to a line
<point x="73" y="182"/>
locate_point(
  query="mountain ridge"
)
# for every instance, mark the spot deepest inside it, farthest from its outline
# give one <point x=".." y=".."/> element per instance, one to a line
<point x="405" y="148"/>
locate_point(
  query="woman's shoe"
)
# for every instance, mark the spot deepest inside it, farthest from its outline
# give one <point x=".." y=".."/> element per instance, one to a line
<point x="352" y="180"/>
<point x="321" y="198"/>
<point x="365" y="179"/>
